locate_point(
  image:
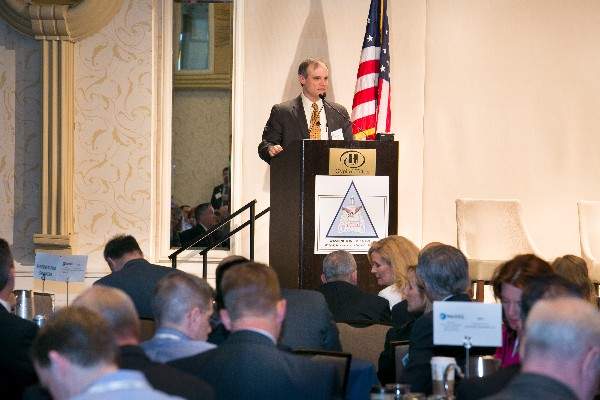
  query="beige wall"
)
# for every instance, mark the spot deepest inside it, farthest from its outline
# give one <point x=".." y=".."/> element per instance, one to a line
<point x="201" y="136"/>
<point x="494" y="99"/>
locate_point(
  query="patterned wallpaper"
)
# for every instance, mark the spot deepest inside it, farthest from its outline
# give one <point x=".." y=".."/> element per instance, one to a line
<point x="201" y="133"/>
<point x="20" y="142"/>
<point x="113" y="130"/>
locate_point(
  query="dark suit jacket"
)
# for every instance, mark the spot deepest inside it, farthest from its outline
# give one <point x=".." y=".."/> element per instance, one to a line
<point x="215" y="201"/>
<point x="16" y="368"/>
<point x="418" y="370"/>
<point x="308" y="322"/>
<point x="287" y="123"/>
<point x="187" y="236"/>
<point x="163" y="377"/>
<point x="478" y="388"/>
<point x="249" y="366"/>
<point x="527" y="386"/>
<point x="138" y="279"/>
<point x="347" y="302"/>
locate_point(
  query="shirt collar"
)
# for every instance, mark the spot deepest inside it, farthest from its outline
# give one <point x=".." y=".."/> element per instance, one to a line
<point x="6" y="305"/>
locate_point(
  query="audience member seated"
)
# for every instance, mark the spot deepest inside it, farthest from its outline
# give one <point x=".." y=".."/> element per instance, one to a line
<point x="575" y="270"/>
<point x="205" y="221"/>
<point x="560" y="354"/>
<point x="131" y="273"/>
<point x="545" y="287"/>
<point x="346" y="301"/>
<point x="16" y="335"/>
<point x="508" y="283"/>
<point x="176" y="226"/>
<point x="188" y="217"/>
<point x="76" y="358"/>
<point x="389" y="258"/>
<point x="248" y="364"/>
<point x="219" y="333"/>
<point x="182" y="306"/>
<point x="118" y="309"/>
<point x="417" y="304"/>
<point x="308" y="323"/>
<point x="400" y="314"/>
<point x="444" y="272"/>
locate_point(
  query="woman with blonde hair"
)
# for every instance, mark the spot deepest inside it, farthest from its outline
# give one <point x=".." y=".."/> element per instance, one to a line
<point x="575" y="270"/>
<point x="389" y="258"/>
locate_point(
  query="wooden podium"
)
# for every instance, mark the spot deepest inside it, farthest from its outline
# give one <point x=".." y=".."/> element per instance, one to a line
<point x="292" y="216"/>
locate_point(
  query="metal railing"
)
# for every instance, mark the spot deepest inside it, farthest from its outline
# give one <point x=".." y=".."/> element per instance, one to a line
<point x="251" y="221"/>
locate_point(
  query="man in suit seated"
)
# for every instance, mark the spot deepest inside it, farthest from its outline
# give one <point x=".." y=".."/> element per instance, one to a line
<point x="182" y="306"/>
<point x="118" y="309"/>
<point x="75" y="356"/>
<point x="248" y="365"/>
<point x="306" y="116"/>
<point x="346" y="301"/>
<point x="205" y="221"/>
<point x="16" y="335"/>
<point x="131" y="273"/>
<point x="560" y="352"/>
<point x="308" y="322"/>
<point x="444" y="271"/>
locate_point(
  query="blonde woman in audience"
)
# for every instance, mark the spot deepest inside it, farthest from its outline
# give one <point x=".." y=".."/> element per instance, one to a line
<point x="389" y="258"/>
<point x="575" y="270"/>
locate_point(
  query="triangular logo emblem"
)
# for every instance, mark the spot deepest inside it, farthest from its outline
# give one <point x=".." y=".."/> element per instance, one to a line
<point x="352" y="218"/>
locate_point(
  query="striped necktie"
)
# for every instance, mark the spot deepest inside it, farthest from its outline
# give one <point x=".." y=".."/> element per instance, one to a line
<point x="315" y="122"/>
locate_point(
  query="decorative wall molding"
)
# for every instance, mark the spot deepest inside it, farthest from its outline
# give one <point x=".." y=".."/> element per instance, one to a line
<point x="58" y="24"/>
<point x="73" y="19"/>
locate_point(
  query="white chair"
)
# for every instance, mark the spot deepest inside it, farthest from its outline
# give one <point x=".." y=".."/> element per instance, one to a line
<point x="589" y="236"/>
<point x="490" y="232"/>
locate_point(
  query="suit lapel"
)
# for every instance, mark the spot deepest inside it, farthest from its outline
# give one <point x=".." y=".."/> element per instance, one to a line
<point x="298" y="113"/>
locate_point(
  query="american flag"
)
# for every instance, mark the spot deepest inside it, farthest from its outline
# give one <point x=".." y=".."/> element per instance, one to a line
<point x="371" y="105"/>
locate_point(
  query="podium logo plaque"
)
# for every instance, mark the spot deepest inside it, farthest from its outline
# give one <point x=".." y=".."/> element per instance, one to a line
<point x="350" y="212"/>
<point x="360" y="162"/>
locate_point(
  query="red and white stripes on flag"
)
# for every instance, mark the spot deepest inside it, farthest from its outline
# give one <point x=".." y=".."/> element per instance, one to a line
<point x="371" y="105"/>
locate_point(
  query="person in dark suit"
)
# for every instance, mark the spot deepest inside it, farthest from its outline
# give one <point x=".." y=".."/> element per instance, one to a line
<point x="346" y="301"/>
<point x="220" y="195"/>
<point x="444" y="271"/>
<point x="205" y="221"/>
<point x="290" y="121"/>
<point x="308" y="322"/>
<point x="131" y="273"/>
<point x="118" y="309"/>
<point x="560" y="352"/>
<point x="248" y="364"/>
<point x="16" y="335"/>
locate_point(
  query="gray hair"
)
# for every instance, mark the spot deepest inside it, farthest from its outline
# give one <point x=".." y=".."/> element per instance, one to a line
<point x="177" y="294"/>
<point x="303" y="67"/>
<point x="338" y="265"/>
<point x="563" y="329"/>
<point x="444" y="270"/>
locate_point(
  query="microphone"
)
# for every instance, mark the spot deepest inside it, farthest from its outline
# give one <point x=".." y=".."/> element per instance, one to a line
<point x="322" y="96"/>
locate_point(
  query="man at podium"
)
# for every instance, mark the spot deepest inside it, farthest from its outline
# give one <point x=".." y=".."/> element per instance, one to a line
<point x="307" y="116"/>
